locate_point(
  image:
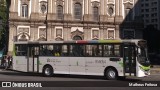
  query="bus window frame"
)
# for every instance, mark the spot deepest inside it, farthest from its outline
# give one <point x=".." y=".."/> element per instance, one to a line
<point x="18" y="45"/>
<point x="113" y="51"/>
<point x="68" y="54"/>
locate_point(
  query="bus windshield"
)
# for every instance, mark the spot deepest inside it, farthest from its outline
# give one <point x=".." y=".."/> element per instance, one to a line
<point x="142" y="54"/>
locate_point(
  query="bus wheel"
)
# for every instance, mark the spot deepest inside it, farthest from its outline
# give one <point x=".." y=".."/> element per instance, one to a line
<point x="48" y="71"/>
<point x="111" y="74"/>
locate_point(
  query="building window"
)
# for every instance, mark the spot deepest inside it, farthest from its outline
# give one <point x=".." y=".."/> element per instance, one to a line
<point x="111" y="34"/>
<point x="146" y="4"/>
<point x="147" y="15"/>
<point x="147" y="10"/>
<point x="77" y="37"/>
<point x="95" y="34"/>
<point x="78" y="11"/>
<point x="42" y="34"/>
<point x="128" y="14"/>
<point x="24" y="10"/>
<point x="129" y="34"/>
<point x="58" y="32"/>
<point x="60" y="12"/>
<point x="95" y="13"/>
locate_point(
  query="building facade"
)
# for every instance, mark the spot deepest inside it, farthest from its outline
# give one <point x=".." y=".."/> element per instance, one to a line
<point x="50" y="20"/>
<point x="150" y="11"/>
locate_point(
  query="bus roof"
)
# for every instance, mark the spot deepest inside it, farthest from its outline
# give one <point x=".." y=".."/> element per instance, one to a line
<point x="77" y="41"/>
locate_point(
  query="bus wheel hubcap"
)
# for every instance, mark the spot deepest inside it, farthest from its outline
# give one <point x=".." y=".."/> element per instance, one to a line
<point x="112" y="74"/>
<point x="47" y="71"/>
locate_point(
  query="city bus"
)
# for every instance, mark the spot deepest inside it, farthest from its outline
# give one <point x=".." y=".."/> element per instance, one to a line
<point x="108" y="58"/>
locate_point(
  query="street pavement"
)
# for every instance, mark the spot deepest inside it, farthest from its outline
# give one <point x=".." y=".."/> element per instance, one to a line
<point x="7" y="75"/>
<point x="95" y="82"/>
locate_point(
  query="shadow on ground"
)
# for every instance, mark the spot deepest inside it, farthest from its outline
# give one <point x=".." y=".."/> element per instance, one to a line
<point x="16" y="73"/>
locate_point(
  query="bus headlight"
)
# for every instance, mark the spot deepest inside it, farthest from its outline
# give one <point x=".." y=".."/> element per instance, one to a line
<point x="146" y="70"/>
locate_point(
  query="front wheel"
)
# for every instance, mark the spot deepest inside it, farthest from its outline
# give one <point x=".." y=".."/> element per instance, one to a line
<point x="111" y="74"/>
<point x="47" y="71"/>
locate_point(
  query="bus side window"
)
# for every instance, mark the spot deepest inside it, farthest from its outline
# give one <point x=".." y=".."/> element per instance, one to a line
<point x="57" y="50"/>
<point x="16" y="51"/>
<point x="97" y="50"/>
<point x="88" y="51"/>
<point x="64" y="50"/>
<point x="21" y="50"/>
<point x="108" y="50"/>
<point x="117" y="50"/>
<point x="111" y="51"/>
<point x="77" y="50"/>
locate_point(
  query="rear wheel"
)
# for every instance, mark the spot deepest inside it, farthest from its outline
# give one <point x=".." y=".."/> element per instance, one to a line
<point x="48" y="71"/>
<point x="111" y="74"/>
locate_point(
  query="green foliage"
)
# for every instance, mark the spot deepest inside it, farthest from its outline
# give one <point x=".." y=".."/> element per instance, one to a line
<point x="4" y="18"/>
<point x="3" y="11"/>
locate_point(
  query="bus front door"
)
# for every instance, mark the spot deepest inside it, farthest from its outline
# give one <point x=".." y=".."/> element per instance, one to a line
<point x="33" y="59"/>
<point x="129" y="60"/>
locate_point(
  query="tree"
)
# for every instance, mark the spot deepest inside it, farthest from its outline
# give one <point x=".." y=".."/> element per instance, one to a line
<point x="4" y="19"/>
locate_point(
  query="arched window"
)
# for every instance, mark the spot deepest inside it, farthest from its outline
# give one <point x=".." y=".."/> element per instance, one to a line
<point x="78" y="11"/>
<point x="95" y="13"/>
<point x="77" y="37"/>
<point x="24" y="10"/>
<point x="60" y="12"/>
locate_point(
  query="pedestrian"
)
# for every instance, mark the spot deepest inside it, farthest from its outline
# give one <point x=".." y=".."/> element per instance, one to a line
<point x="6" y="62"/>
<point x="10" y="61"/>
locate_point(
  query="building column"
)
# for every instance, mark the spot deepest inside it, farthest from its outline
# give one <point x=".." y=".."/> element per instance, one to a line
<point x="117" y="32"/>
<point x="52" y="33"/>
<point x="12" y="6"/>
<point x="33" y="5"/>
<point x="49" y="6"/>
<point x="89" y="7"/>
<point x="12" y="37"/>
<point x="65" y="6"/>
<point x="85" y="6"/>
<point x="69" y="6"/>
<point x="53" y="6"/>
<point x="116" y="7"/>
<point x="48" y="34"/>
<point x="101" y="7"/>
<point x="105" y="7"/>
<point x="37" y="6"/>
<point x="120" y="7"/>
<point x="16" y="6"/>
<point x="32" y="34"/>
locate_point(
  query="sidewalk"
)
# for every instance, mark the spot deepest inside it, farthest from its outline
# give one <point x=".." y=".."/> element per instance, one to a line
<point x="155" y="70"/>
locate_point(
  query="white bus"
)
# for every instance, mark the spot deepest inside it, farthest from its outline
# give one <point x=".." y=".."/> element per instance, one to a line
<point x="108" y="58"/>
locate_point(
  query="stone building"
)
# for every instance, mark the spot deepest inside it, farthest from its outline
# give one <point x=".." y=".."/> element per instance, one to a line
<point x="49" y="20"/>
